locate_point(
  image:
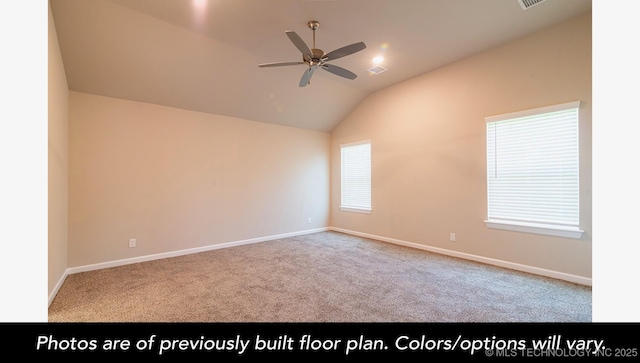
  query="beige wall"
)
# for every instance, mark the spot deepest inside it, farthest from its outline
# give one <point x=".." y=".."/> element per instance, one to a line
<point x="428" y="149"/>
<point x="175" y="179"/>
<point x="58" y="107"/>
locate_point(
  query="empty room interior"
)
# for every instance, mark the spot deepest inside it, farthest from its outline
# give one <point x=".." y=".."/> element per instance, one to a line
<point x="308" y="160"/>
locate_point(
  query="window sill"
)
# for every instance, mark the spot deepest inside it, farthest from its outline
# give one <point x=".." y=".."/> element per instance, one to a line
<point x="355" y="210"/>
<point x="545" y="229"/>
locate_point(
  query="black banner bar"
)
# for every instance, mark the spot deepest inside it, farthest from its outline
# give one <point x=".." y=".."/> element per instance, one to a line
<point x="337" y="341"/>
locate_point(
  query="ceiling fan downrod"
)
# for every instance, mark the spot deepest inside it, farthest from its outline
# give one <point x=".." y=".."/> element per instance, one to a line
<point x="313" y="25"/>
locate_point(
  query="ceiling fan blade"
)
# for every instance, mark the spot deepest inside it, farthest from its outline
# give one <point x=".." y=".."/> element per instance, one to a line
<point x="280" y="64"/>
<point x="299" y="43"/>
<point x="339" y="71"/>
<point x="345" y="51"/>
<point x="306" y="76"/>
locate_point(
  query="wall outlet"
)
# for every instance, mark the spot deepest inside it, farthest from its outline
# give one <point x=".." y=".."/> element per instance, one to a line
<point x="309" y="220"/>
<point x="452" y="237"/>
<point x="132" y="242"/>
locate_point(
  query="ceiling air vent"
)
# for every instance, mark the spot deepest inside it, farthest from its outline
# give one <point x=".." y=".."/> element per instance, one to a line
<point x="377" y="69"/>
<point x="526" y="4"/>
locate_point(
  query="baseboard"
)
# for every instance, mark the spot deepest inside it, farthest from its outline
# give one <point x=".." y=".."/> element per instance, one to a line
<point x="158" y="256"/>
<point x="53" y="293"/>
<point x="506" y="264"/>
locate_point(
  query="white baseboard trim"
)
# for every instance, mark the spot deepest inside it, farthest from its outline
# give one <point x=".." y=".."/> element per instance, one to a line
<point x="53" y="293"/>
<point x="158" y="256"/>
<point x="510" y="265"/>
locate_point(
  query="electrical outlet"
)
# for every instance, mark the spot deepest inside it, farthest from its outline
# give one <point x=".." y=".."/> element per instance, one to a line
<point x="309" y="220"/>
<point x="452" y="237"/>
<point x="132" y="242"/>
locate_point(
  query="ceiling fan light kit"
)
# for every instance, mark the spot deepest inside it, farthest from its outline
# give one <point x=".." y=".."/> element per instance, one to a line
<point x="315" y="58"/>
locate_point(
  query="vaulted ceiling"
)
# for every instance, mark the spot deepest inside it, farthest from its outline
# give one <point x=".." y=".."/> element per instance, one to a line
<point x="203" y="55"/>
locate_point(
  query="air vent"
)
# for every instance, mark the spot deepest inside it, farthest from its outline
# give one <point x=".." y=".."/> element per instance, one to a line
<point x="526" y="4"/>
<point x="377" y="69"/>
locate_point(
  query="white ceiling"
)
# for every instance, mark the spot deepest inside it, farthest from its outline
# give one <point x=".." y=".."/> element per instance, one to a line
<point x="203" y="55"/>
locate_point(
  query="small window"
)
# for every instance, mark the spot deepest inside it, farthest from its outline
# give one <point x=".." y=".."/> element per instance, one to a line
<point x="533" y="171"/>
<point x="355" y="160"/>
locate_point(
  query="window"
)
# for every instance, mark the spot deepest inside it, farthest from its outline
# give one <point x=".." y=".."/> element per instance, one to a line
<point x="532" y="171"/>
<point x="355" y="182"/>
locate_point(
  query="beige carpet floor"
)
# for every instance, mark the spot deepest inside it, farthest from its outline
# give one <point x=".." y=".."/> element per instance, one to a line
<point x="321" y="277"/>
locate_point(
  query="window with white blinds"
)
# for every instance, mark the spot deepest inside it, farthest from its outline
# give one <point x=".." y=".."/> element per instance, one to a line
<point x="533" y="171"/>
<point x="355" y="186"/>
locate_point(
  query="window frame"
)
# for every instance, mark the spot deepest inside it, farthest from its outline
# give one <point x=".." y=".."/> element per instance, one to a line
<point x="559" y="230"/>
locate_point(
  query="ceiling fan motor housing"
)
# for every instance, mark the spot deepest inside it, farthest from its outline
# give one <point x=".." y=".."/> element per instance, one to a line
<point x="317" y="57"/>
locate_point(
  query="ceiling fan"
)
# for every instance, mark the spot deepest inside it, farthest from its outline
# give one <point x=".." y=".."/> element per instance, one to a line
<point x="316" y="58"/>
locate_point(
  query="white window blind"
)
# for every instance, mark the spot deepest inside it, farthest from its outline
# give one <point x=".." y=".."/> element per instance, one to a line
<point x="532" y="170"/>
<point x="356" y="177"/>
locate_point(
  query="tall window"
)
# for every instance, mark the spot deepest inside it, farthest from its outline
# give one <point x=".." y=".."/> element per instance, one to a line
<point x="532" y="171"/>
<point x="355" y="161"/>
